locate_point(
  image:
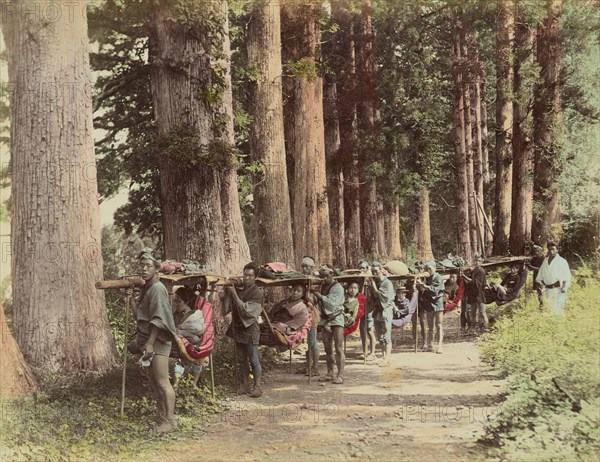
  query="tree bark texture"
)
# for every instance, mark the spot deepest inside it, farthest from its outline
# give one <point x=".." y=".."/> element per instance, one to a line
<point x="422" y="229"/>
<point x="335" y="172"/>
<point x="272" y="211"/>
<point x="60" y="319"/>
<point x="345" y="71"/>
<point x="191" y="91"/>
<point x="305" y="131"/>
<point x="464" y="240"/>
<point x="547" y="128"/>
<point x="505" y="34"/>
<point x="366" y="113"/>
<point x="16" y="377"/>
<point x="523" y="159"/>
<point x="393" y="232"/>
<point x="478" y="159"/>
<point x="485" y="164"/>
<point x="467" y="72"/>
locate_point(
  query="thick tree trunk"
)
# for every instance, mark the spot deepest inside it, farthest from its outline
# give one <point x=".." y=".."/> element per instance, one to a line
<point x="468" y="134"/>
<point x="346" y="106"/>
<point x="191" y="93"/>
<point x="335" y="173"/>
<point x="60" y="318"/>
<point x="305" y="135"/>
<point x="393" y="232"/>
<point x="366" y="114"/>
<point x="422" y="229"/>
<point x="505" y="34"/>
<point x="16" y="377"/>
<point x="272" y="211"/>
<point x="522" y="196"/>
<point x="236" y="249"/>
<point x="464" y="240"/>
<point x="547" y="128"/>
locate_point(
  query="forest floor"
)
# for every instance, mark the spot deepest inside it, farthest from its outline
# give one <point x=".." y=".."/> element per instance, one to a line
<point x="425" y="406"/>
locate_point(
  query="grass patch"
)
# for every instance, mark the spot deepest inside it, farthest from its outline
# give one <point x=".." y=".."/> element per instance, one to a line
<point x="78" y="419"/>
<point x="552" y="406"/>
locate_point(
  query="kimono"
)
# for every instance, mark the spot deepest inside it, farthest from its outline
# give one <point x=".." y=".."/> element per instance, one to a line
<point x="155" y="310"/>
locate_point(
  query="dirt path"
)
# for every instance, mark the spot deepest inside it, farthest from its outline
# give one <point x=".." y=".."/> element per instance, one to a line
<point x="424" y="406"/>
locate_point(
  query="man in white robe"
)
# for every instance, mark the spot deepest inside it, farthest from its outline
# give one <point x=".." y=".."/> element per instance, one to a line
<point x="554" y="278"/>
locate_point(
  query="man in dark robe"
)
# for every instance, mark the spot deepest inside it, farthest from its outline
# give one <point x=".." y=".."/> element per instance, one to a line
<point x="155" y="333"/>
<point x="245" y="305"/>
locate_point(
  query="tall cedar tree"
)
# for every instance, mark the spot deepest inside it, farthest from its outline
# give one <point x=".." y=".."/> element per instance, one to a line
<point x="505" y="33"/>
<point x="464" y="239"/>
<point x="371" y="237"/>
<point x="272" y="213"/>
<point x="478" y="137"/>
<point x="191" y="91"/>
<point x="60" y="320"/>
<point x="547" y="128"/>
<point x="335" y="170"/>
<point x="467" y="72"/>
<point x="304" y="128"/>
<point x="345" y="70"/>
<point x="335" y="163"/>
<point x="522" y="194"/>
<point x="423" y="249"/>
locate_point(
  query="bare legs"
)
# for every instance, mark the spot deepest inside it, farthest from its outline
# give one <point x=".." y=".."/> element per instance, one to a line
<point x="164" y="391"/>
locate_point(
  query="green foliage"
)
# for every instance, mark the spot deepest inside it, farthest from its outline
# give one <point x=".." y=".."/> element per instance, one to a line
<point x="552" y="405"/>
<point x="183" y="146"/>
<point x="305" y="68"/>
<point x="77" y="418"/>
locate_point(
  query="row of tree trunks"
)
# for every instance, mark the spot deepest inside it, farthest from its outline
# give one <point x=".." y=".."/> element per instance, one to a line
<point x="272" y="212"/>
<point x="335" y="171"/>
<point x="366" y="119"/>
<point x="191" y="91"/>
<point x="305" y="143"/>
<point x="464" y="236"/>
<point x="347" y="119"/>
<point x="504" y="123"/>
<point x="477" y="101"/>
<point x="467" y="72"/>
<point x="547" y="128"/>
<point x="523" y="160"/>
<point x="60" y="319"/>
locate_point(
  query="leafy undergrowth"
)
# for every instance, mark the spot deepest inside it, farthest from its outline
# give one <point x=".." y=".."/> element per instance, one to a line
<point x="79" y="419"/>
<point x="552" y="406"/>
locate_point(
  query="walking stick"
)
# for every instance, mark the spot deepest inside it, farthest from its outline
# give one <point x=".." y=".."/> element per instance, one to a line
<point x="312" y="322"/>
<point x="125" y="340"/>
<point x="212" y="375"/>
<point x="417" y="320"/>
<point x="365" y="327"/>
<point x="235" y="361"/>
